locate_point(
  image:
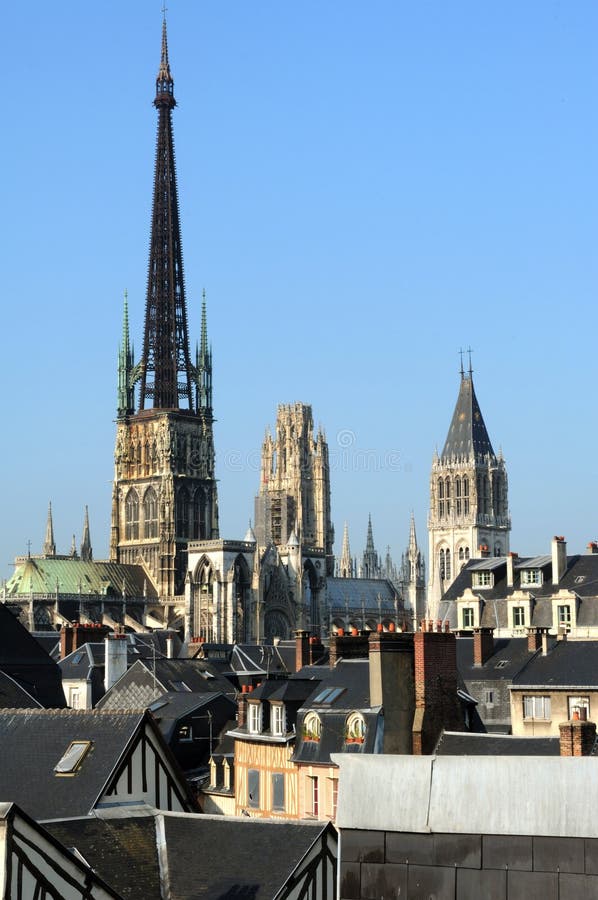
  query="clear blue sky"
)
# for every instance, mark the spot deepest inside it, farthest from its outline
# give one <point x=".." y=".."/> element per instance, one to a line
<point x="364" y="188"/>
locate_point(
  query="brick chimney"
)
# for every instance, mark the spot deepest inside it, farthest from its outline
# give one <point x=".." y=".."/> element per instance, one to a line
<point x="66" y="641"/>
<point x="352" y="646"/>
<point x="436" y="702"/>
<point x="392" y="686"/>
<point x="483" y="645"/>
<point x="316" y="650"/>
<point x="593" y="547"/>
<point x="536" y="638"/>
<point x="559" y="558"/>
<point x="242" y="707"/>
<point x="301" y="649"/>
<point x="511" y="557"/>
<point x="578" y="737"/>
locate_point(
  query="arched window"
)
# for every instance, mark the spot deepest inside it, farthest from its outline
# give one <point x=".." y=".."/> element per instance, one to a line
<point x="447" y="563"/>
<point x="150" y="514"/>
<point x="312" y="727"/>
<point x="497" y="550"/>
<point x="467" y="553"/>
<point x="465" y="489"/>
<point x="461" y="553"/>
<point x="447" y="493"/>
<point x="441" y="498"/>
<point x="355" y="729"/>
<point x="132" y="516"/>
<point x="458" y="499"/>
<point x="182" y="513"/>
<point x="441" y="565"/>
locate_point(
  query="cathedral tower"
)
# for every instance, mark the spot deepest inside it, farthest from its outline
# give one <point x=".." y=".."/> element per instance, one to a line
<point x="164" y="487"/>
<point x="469" y="511"/>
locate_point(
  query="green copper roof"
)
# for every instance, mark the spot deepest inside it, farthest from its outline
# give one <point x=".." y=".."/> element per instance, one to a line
<point x="39" y="576"/>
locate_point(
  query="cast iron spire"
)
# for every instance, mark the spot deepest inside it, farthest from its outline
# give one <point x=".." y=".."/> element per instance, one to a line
<point x="166" y="372"/>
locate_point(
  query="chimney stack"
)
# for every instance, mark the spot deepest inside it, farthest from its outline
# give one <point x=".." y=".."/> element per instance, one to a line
<point x="559" y="558"/>
<point x="392" y="687"/>
<point x="115" y="664"/>
<point x="578" y="737"/>
<point x="242" y="707"/>
<point x="301" y="649"/>
<point x="436" y="702"/>
<point x="169" y="646"/>
<point x="593" y="547"/>
<point x="511" y="557"/>
<point x="351" y="646"/>
<point x="483" y="645"/>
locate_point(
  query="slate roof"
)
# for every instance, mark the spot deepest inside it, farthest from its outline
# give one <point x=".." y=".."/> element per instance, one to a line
<point x="33" y="742"/>
<point x="568" y="664"/>
<point x="454" y="743"/>
<point x="123" y="850"/>
<point x="207" y="857"/>
<point x="39" y="575"/>
<point x="358" y="592"/>
<point x="509" y="657"/>
<point x="13" y="696"/>
<point x="352" y="676"/>
<point x="266" y="659"/>
<point x="467" y="435"/>
<point x="173" y="706"/>
<point x="23" y="659"/>
<point x="144" y="682"/>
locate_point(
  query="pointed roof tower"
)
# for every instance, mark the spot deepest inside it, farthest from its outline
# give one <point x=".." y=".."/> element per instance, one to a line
<point x="412" y="536"/>
<point x="467" y="436"/>
<point x="346" y="563"/>
<point x="49" y="548"/>
<point x="369" y="543"/>
<point x="86" y="551"/>
<point x="166" y="371"/>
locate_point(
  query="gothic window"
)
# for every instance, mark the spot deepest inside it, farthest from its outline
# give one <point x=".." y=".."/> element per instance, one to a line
<point x="447" y="563"/>
<point x="461" y="554"/>
<point x="150" y="514"/>
<point x="441" y="565"/>
<point x="465" y="489"/>
<point x="441" y="498"/>
<point x="132" y="516"/>
<point x="497" y="550"/>
<point x="467" y="553"/>
<point x="447" y="492"/>
<point x="182" y="513"/>
<point x="458" y="498"/>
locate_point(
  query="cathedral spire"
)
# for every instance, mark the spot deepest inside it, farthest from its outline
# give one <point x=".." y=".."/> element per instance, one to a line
<point x="166" y="372"/>
<point x="369" y="543"/>
<point x="126" y="390"/>
<point x="346" y="563"/>
<point x="370" y="563"/>
<point x="49" y="545"/>
<point x="467" y="436"/>
<point x="86" y="551"/>
<point x="412" y="536"/>
<point x="203" y="364"/>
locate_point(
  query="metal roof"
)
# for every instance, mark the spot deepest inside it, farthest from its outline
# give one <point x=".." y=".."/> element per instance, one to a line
<point x="40" y="575"/>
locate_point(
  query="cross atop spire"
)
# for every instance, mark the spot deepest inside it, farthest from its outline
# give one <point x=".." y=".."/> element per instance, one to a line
<point x="164" y="82"/>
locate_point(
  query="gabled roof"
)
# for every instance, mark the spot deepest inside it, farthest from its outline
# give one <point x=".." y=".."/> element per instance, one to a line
<point x="509" y="657"/>
<point x="467" y="435"/>
<point x="239" y="857"/>
<point x="568" y="664"/>
<point x="13" y="696"/>
<point x="26" y="662"/>
<point x="34" y="741"/>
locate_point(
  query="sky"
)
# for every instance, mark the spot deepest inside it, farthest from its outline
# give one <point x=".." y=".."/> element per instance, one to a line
<point x="365" y="188"/>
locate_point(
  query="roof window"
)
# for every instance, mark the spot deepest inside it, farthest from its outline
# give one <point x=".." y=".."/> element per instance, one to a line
<point x="328" y="695"/>
<point x="72" y="759"/>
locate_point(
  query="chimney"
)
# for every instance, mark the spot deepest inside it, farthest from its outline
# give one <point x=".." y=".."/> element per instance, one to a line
<point x="348" y="646"/>
<point x="242" y="707"/>
<point x="559" y="558"/>
<point x="87" y="634"/>
<point x="483" y="645"/>
<point x="392" y="687"/>
<point x="536" y="638"/>
<point x="578" y="737"/>
<point x="316" y="650"/>
<point x="436" y="702"/>
<point x="511" y="557"/>
<point x="66" y="641"/>
<point x="593" y="547"/>
<point x="169" y="647"/>
<point x="301" y="649"/>
<point x="116" y="659"/>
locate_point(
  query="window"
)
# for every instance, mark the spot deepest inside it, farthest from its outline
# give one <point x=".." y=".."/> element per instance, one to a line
<point x="74" y="698"/>
<point x="253" y="788"/>
<point x="447" y="563"/>
<point x="447" y="492"/>
<point x="564" y="617"/>
<point x="150" y="514"/>
<point x="440" y="498"/>
<point x="458" y="500"/>
<point x="278" y="791"/>
<point x="254" y="712"/>
<point x="277" y="716"/>
<point x="334" y="793"/>
<point x="576" y="704"/>
<point x="328" y="695"/>
<point x="72" y="759"/>
<point x="132" y="516"/>
<point x="518" y="617"/>
<point x="355" y="729"/>
<point x="441" y="564"/>
<point x="468" y="617"/>
<point x="314" y="799"/>
<point x="482" y="579"/>
<point x="182" y="513"/>
<point x="180" y="686"/>
<point x="536" y="707"/>
<point x="466" y="498"/>
<point x="531" y="576"/>
<point x="312" y="727"/>
<point x="185" y="733"/>
<point x="489" y="698"/>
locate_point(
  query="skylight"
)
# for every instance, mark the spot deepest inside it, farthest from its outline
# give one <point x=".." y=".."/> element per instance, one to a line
<point x="180" y="686"/>
<point x="157" y="704"/>
<point x="73" y="758"/>
<point x="328" y="695"/>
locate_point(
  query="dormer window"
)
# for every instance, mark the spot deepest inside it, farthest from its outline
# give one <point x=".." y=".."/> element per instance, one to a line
<point x="468" y="617"/>
<point x="254" y="718"/>
<point x="312" y="727"/>
<point x="518" y="617"/>
<point x="531" y="576"/>
<point x="483" y="579"/>
<point x="355" y="729"/>
<point x="564" y="617"/>
<point x="277" y="719"/>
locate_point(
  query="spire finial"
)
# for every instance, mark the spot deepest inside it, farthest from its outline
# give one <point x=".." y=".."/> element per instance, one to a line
<point x="469" y="352"/>
<point x="461" y="366"/>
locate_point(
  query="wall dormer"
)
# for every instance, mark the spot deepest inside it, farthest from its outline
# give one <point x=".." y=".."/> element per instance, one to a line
<point x="565" y="606"/>
<point x="519" y="611"/>
<point x="469" y="610"/>
<point x="254" y="717"/>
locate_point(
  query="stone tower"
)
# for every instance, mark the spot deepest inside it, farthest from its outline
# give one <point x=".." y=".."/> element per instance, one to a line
<point x="413" y="577"/>
<point x="164" y="486"/>
<point x="469" y="510"/>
